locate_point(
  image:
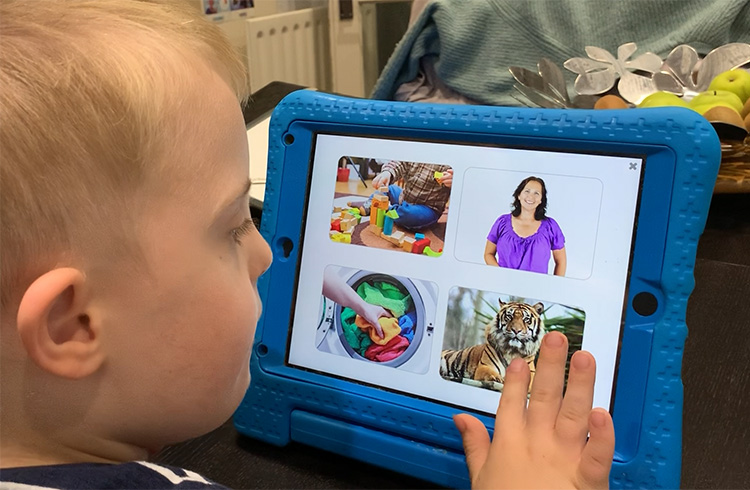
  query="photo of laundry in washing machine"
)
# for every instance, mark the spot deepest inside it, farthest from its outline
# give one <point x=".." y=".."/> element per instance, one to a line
<point x="377" y="318"/>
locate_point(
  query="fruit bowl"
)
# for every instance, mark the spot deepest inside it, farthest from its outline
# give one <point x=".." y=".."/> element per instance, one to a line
<point x="716" y="86"/>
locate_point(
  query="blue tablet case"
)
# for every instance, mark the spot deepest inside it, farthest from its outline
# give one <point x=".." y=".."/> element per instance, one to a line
<point x="417" y="436"/>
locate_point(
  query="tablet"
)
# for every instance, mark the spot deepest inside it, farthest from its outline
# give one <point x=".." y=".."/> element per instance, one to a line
<point x="419" y="248"/>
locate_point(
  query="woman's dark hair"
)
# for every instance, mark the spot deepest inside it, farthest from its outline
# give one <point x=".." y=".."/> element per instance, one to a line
<point x="541" y="210"/>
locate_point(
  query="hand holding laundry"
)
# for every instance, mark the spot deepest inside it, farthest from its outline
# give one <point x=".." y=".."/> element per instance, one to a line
<point x="389" y="327"/>
<point x="372" y="314"/>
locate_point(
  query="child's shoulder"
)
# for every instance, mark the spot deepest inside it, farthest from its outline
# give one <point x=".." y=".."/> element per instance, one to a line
<point x="139" y="474"/>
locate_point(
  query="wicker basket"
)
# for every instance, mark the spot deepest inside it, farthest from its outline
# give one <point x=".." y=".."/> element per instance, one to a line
<point x="734" y="172"/>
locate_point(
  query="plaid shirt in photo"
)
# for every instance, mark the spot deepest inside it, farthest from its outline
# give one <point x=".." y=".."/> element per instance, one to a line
<point x="420" y="186"/>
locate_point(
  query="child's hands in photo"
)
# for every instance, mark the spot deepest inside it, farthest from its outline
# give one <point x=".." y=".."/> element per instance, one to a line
<point x="547" y="444"/>
<point x="383" y="179"/>
<point x="447" y="178"/>
<point x="372" y="314"/>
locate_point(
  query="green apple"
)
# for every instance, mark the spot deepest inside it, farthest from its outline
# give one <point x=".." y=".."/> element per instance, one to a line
<point x="716" y="97"/>
<point x="736" y="81"/>
<point x="661" y="99"/>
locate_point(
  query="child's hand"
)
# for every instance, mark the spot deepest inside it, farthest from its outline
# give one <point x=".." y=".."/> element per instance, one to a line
<point x="381" y="180"/>
<point x="447" y="178"/>
<point x="544" y="445"/>
<point x="372" y="315"/>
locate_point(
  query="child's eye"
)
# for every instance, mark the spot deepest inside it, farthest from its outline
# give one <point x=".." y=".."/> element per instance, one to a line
<point x="242" y="230"/>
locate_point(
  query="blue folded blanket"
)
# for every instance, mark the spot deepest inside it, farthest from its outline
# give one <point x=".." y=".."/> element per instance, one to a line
<point x="473" y="42"/>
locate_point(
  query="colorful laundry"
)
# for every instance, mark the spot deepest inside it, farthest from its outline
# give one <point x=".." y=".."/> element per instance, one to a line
<point x="406" y="322"/>
<point x="386" y="295"/>
<point x="355" y="336"/>
<point x="388" y="352"/>
<point x="390" y="328"/>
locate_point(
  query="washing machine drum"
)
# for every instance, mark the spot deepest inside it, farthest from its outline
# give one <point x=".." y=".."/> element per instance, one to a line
<point x="405" y="286"/>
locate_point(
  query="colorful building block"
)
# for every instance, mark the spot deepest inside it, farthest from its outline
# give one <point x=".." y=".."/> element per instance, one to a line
<point x="341" y="237"/>
<point x="382" y="202"/>
<point x="408" y="243"/>
<point x="439" y="177"/>
<point x="397" y="237"/>
<point x="348" y="224"/>
<point x="336" y="225"/>
<point x="418" y="236"/>
<point x="387" y="225"/>
<point x="380" y="220"/>
<point x="390" y="216"/>
<point x="420" y="245"/>
<point x="431" y="253"/>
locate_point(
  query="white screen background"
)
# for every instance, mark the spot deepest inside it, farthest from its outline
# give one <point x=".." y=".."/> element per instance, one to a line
<point x="599" y="291"/>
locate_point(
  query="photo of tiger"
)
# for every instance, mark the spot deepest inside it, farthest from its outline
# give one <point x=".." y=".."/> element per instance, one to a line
<point x="516" y="331"/>
<point x="485" y="331"/>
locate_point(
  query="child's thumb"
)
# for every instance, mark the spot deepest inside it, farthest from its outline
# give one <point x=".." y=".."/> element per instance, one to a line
<point x="476" y="442"/>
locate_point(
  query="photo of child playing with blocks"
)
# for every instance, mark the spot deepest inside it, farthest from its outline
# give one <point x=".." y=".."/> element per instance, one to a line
<point x="130" y="261"/>
<point x="407" y="211"/>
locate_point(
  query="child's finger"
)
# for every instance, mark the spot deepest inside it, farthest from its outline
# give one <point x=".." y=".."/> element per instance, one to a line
<point x="572" y="421"/>
<point x="596" y="458"/>
<point x="476" y="442"/>
<point x="511" y="411"/>
<point x="546" y="390"/>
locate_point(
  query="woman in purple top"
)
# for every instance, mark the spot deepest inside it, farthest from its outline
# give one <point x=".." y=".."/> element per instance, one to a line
<point x="525" y="238"/>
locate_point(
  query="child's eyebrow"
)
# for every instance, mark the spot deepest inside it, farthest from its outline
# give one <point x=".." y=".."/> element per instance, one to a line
<point x="231" y="201"/>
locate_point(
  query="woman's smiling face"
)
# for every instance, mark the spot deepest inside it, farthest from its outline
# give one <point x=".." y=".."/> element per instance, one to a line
<point x="531" y="195"/>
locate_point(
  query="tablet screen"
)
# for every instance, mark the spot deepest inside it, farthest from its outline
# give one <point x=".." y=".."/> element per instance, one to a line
<point x="427" y="266"/>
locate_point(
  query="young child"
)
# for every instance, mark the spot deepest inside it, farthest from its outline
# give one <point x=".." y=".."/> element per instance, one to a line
<point x="421" y="201"/>
<point x="129" y="261"/>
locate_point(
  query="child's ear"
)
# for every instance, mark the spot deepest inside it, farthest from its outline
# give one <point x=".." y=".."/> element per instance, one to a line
<point x="56" y="328"/>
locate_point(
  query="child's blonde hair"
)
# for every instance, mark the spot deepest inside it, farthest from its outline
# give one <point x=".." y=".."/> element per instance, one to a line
<point x="85" y="89"/>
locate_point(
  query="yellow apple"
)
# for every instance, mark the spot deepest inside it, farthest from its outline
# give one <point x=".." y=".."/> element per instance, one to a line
<point x="716" y="97"/>
<point x="661" y="99"/>
<point x="736" y="81"/>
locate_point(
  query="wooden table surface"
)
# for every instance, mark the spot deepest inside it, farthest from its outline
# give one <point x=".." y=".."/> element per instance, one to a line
<point x="716" y="375"/>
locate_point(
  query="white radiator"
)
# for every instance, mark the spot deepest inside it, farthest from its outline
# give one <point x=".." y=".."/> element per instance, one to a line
<point x="291" y="47"/>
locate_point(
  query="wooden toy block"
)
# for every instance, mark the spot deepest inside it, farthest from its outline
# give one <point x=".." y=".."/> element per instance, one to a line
<point x="341" y="237"/>
<point x="337" y="209"/>
<point x="420" y="245"/>
<point x="387" y="225"/>
<point x="346" y="226"/>
<point x="431" y="253"/>
<point x="384" y="189"/>
<point x="380" y="220"/>
<point x="336" y="225"/>
<point x="383" y="201"/>
<point x="408" y="243"/>
<point x="439" y="177"/>
<point x="397" y="237"/>
<point x="418" y="236"/>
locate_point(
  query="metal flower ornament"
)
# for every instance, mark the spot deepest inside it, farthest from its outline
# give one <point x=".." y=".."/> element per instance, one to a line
<point x="600" y="71"/>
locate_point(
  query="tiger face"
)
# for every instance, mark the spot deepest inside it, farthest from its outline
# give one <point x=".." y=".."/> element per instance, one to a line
<point x="516" y="330"/>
